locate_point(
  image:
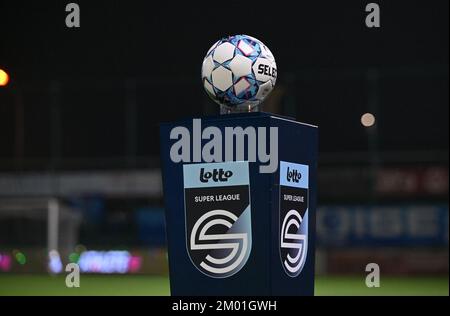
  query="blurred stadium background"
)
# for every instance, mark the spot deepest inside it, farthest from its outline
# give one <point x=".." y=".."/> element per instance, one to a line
<point x="79" y="166"/>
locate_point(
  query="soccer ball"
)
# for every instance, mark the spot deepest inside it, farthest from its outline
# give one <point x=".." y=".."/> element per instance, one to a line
<point x="238" y="72"/>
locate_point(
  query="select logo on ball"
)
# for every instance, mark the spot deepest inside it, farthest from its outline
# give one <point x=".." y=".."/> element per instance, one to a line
<point x="267" y="70"/>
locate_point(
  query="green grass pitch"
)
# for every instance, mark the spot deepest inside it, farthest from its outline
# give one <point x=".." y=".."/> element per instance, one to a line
<point x="153" y="285"/>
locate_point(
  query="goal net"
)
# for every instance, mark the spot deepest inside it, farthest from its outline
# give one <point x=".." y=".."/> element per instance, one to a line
<point x="36" y="234"/>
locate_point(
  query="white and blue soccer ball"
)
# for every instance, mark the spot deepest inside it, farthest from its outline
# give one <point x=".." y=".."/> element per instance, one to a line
<point x="239" y="72"/>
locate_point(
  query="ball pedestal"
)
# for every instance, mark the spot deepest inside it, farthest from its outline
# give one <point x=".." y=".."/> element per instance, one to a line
<point x="233" y="228"/>
<point x="225" y="110"/>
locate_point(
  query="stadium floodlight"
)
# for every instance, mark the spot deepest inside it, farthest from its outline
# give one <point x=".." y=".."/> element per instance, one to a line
<point x="368" y="119"/>
<point x="4" y="78"/>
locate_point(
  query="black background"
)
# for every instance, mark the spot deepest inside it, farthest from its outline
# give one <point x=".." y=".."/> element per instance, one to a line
<point x="324" y="45"/>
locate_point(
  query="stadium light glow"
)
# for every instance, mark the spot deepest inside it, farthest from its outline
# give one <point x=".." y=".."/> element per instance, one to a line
<point x="80" y="248"/>
<point x="74" y="257"/>
<point x="368" y="119"/>
<point x="54" y="262"/>
<point x="5" y="262"/>
<point x="21" y="258"/>
<point x="4" y="78"/>
<point x="109" y="262"/>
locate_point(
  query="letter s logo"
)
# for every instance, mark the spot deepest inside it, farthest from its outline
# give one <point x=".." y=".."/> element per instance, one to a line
<point x="225" y="253"/>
